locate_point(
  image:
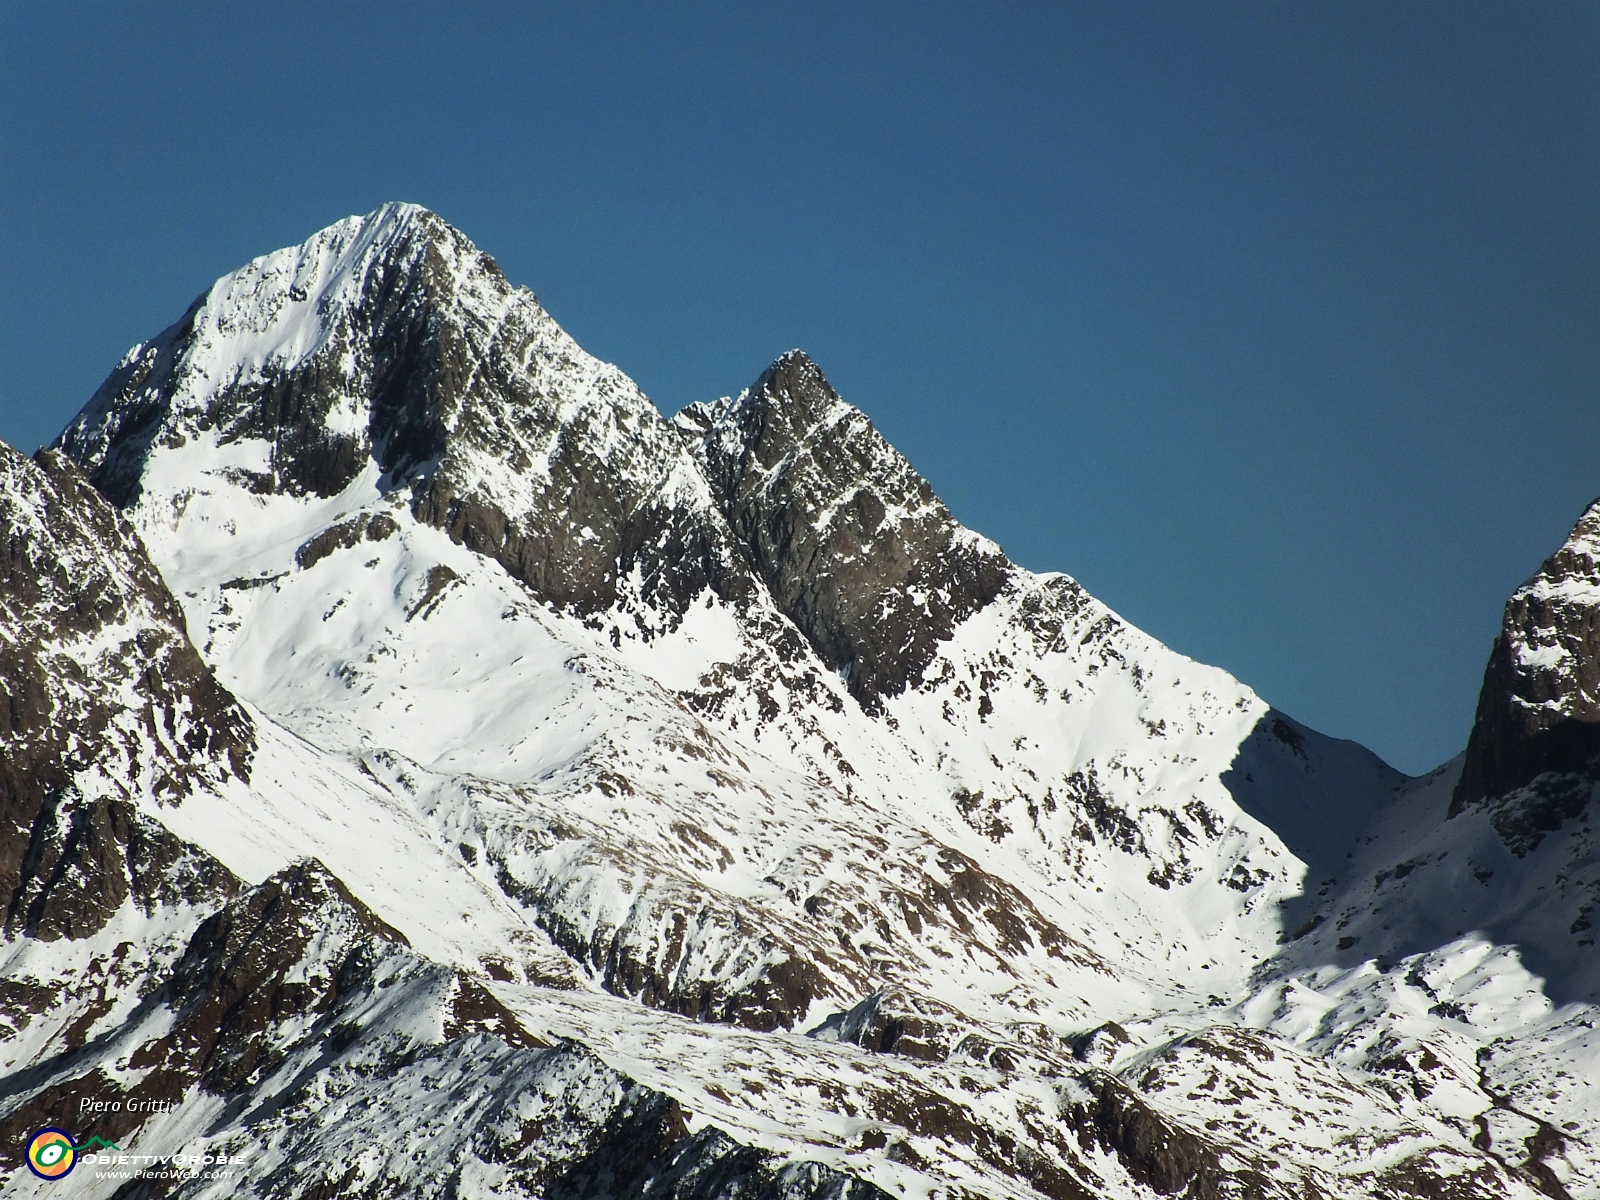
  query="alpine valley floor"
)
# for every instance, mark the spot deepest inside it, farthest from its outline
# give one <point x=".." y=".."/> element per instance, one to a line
<point x="427" y="771"/>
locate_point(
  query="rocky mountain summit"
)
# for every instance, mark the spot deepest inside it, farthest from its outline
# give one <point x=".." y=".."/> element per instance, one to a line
<point x="430" y="771"/>
<point x="1534" y="754"/>
<point x="851" y="542"/>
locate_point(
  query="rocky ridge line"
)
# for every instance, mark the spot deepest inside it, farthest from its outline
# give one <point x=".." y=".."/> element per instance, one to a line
<point x="393" y="340"/>
<point x="102" y="698"/>
<point x="852" y="543"/>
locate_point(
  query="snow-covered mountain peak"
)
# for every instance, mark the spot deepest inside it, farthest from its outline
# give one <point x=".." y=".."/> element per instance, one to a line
<point x="1552" y="633"/>
<point x="791" y="423"/>
<point x="791" y="403"/>
<point x="282" y="309"/>
<point x="303" y="307"/>
<point x="719" y="746"/>
<point x="388" y="361"/>
<point x="1534" y="754"/>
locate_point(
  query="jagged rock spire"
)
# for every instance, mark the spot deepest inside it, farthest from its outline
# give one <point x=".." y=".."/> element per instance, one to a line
<point x="1538" y="718"/>
<point x="851" y="541"/>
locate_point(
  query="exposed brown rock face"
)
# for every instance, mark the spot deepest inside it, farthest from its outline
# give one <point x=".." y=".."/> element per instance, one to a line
<point x="344" y="535"/>
<point x="284" y="979"/>
<point x="452" y="382"/>
<point x="86" y="859"/>
<point x="245" y="972"/>
<point x="1160" y="1153"/>
<point x="96" y="671"/>
<point x="851" y="541"/>
<point x="1537" y="731"/>
<point x="893" y="1021"/>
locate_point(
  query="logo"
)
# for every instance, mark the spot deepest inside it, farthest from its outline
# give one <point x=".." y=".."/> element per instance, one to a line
<point x="51" y="1154"/>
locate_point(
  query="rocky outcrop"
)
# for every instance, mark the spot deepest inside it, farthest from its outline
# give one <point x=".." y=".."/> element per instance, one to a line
<point x="102" y="699"/>
<point x="86" y="858"/>
<point x="295" y="994"/>
<point x="853" y="544"/>
<point x="1159" y="1152"/>
<point x="1534" y="754"/>
<point x="894" y="1021"/>
<point x="280" y="955"/>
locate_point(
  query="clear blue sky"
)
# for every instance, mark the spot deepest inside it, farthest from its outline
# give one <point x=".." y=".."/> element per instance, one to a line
<point x="1278" y="326"/>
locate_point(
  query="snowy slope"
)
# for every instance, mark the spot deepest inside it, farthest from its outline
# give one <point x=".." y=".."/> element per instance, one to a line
<point x="686" y="740"/>
<point x="1014" y="737"/>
